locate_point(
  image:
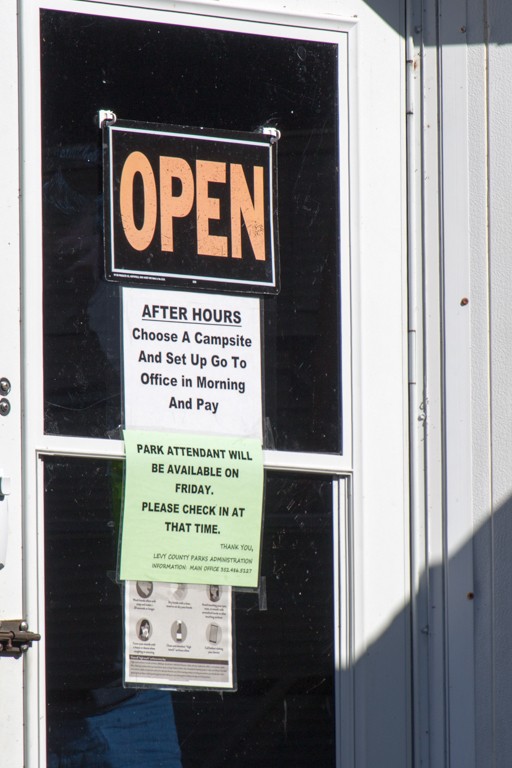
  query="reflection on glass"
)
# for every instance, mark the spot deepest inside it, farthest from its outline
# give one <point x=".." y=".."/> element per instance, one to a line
<point x="283" y="710"/>
<point x="177" y="75"/>
<point x="92" y="720"/>
<point x="81" y="310"/>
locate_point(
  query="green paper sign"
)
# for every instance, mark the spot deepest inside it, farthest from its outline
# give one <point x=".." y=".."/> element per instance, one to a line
<point x="192" y="509"/>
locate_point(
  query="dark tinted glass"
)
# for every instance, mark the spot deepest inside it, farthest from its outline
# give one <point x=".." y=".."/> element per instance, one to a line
<point x="283" y="711"/>
<point x="177" y="75"/>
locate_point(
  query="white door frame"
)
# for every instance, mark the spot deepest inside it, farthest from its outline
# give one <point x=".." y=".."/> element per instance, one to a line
<point x="11" y="597"/>
<point x="375" y="594"/>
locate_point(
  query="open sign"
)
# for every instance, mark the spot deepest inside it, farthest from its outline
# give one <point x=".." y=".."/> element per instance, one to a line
<point x="190" y="208"/>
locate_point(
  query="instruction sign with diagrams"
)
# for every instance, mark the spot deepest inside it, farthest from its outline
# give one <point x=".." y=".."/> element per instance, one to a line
<point x="178" y="635"/>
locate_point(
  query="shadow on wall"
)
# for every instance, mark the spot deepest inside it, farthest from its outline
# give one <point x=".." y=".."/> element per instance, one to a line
<point x="458" y="23"/>
<point x="465" y="669"/>
<point x="492" y="552"/>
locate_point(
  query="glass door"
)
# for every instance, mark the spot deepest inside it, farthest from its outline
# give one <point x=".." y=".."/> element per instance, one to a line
<point x="229" y="74"/>
<point x="284" y="707"/>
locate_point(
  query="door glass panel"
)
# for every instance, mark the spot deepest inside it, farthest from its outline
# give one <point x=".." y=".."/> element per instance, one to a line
<point x="188" y="76"/>
<point x="283" y="711"/>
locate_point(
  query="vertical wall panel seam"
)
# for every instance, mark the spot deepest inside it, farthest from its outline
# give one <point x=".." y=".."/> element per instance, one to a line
<point x="485" y="20"/>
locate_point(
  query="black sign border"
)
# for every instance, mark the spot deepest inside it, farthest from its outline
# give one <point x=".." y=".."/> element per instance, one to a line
<point x="171" y="280"/>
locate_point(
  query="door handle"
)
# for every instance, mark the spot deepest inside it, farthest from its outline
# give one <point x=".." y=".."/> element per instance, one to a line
<point x="15" y="639"/>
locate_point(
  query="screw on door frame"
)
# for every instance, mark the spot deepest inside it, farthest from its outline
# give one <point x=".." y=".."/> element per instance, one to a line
<point x="5" y="385"/>
<point x="5" y="407"/>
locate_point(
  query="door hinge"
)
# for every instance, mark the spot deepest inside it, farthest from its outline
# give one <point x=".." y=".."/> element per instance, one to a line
<point x="15" y="638"/>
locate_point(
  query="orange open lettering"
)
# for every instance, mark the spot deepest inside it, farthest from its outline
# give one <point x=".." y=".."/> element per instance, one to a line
<point x="173" y="198"/>
<point x="139" y="238"/>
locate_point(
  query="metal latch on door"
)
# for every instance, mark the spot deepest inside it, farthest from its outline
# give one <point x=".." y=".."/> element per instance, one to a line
<point x="15" y="638"/>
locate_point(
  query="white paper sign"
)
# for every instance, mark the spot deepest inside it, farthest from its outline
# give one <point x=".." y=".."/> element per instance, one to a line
<point x="192" y="362"/>
<point x="178" y="635"/>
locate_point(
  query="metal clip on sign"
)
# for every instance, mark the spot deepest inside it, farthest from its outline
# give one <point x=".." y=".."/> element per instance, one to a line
<point x="274" y="133"/>
<point x="106" y="116"/>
